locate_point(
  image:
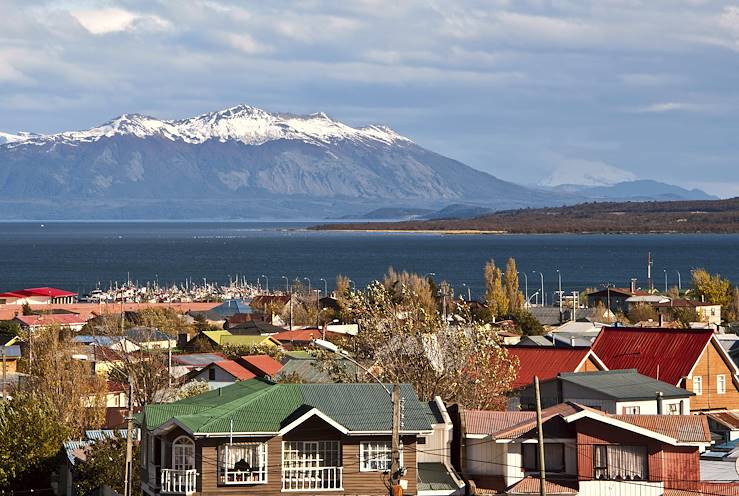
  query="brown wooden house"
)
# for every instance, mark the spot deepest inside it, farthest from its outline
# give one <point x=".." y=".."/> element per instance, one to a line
<point x="257" y="437"/>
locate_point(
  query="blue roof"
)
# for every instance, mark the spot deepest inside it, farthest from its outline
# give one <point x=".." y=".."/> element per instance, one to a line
<point x="106" y="341"/>
<point x="13" y="351"/>
<point x="232" y="307"/>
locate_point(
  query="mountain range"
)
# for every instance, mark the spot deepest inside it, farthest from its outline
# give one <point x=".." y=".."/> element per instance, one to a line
<point x="242" y="162"/>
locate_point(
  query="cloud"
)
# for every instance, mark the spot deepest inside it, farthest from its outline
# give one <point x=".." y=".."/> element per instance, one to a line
<point x="111" y="20"/>
<point x="585" y="172"/>
<point x="245" y="43"/>
<point x="659" y="108"/>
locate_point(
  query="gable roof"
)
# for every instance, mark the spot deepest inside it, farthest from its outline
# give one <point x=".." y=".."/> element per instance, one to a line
<point x="198" y="359"/>
<point x="228" y="339"/>
<point x="61" y="319"/>
<point x="234" y="369"/>
<point x="260" y="407"/>
<point x="43" y="291"/>
<point x="547" y="362"/>
<point x="665" y="354"/>
<point x="261" y="364"/>
<point x="486" y="423"/>
<point x="142" y="334"/>
<point x="625" y="384"/>
<point x="214" y="336"/>
<point x="671" y="429"/>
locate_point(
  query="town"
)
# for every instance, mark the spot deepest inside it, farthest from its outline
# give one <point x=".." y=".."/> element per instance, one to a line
<point x="407" y="386"/>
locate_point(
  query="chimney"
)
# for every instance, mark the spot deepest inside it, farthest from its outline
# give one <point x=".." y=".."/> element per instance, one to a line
<point x="572" y="341"/>
<point x="659" y="402"/>
<point x="633" y="285"/>
<point x="661" y="319"/>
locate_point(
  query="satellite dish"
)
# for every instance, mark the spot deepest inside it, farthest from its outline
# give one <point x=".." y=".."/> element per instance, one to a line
<point x="736" y="466"/>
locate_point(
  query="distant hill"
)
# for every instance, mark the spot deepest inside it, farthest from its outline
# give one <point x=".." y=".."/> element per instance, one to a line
<point x="713" y="216"/>
<point x="639" y="190"/>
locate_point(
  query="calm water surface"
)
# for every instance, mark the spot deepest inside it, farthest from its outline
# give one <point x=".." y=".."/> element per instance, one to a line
<point x="77" y="256"/>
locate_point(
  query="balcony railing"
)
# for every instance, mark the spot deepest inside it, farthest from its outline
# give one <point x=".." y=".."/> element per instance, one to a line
<point x="178" y="481"/>
<point x="312" y="478"/>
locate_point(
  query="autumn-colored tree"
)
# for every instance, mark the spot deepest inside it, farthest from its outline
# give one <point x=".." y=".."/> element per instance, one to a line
<point x="30" y="436"/>
<point x="673" y="293"/>
<point x="685" y="315"/>
<point x="166" y="320"/>
<point x="496" y="299"/>
<point x="733" y="313"/>
<point x="513" y="293"/>
<point x="401" y="342"/>
<point x="421" y="287"/>
<point x="713" y="289"/>
<point x="65" y="382"/>
<point x="642" y="312"/>
<point x="105" y="465"/>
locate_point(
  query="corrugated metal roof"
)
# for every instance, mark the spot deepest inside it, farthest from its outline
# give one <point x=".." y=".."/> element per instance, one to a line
<point x="247" y="340"/>
<point x="624" y="384"/>
<point x="729" y="419"/>
<point x="545" y="362"/>
<point x="259" y="406"/>
<point x="531" y="485"/>
<point x="235" y="370"/>
<point x="264" y="364"/>
<point x="434" y="476"/>
<point x="665" y="354"/>
<point x="684" y="428"/>
<point x="198" y="359"/>
<point x="489" y="422"/>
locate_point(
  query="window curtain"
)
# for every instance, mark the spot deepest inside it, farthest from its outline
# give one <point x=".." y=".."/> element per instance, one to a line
<point x="620" y="462"/>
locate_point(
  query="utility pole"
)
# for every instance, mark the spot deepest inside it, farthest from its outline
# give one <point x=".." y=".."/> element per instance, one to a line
<point x="129" y="442"/>
<point x="4" y="376"/>
<point x="540" y="433"/>
<point x="395" y="445"/>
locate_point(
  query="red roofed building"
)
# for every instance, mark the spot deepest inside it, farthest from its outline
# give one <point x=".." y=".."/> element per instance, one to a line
<point x="69" y="320"/>
<point x="547" y="362"/>
<point x="689" y="358"/>
<point x="221" y="373"/>
<point x="586" y="451"/>
<point x="37" y="296"/>
<point x="261" y="365"/>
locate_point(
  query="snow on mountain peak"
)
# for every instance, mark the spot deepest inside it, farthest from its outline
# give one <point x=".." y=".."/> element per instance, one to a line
<point x="249" y="125"/>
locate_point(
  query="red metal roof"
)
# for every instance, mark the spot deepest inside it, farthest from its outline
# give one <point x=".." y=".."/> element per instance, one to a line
<point x="51" y="319"/>
<point x="665" y="354"/>
<point x="489" y="422"/>
<point x="532" y="485"/>
<point x="44" y="291"/>
<point x="684" y="428"/>
<point x="545" y="362"/>
<point x="265" y="364"/>
<point x="235" y="370"/>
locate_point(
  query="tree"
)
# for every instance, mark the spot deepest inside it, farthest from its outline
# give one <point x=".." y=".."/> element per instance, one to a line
<point x="165" y="320"/>
<point x="10" y="327"/>
<point x="64" y="382"/>
<point x="496" y="299"/>
<point x="26" y="309"/>
<point x="733" y="313"/>
<point x="713" y="289"/>
<point x="685" y="315"/>
<point x="401" y="342"/>
<point x="527" y="323"/>
<point x="193" y="388"/>
<point x="515" y="298"/>
<point x="105" y="465"/>
<point x="421" y="287"/>
<point x="642" y="312"/>
<point x="30" y="436"/>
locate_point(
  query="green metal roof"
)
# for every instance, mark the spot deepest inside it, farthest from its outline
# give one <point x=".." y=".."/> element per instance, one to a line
<point x="257" y="406"/>
<point x="434" y="476"/>
<point x="626" y="384"/>
<point x="308" y="370"/>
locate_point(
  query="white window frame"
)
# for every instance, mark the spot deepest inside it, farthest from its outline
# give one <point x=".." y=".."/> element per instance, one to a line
<point x="632" y="410"/>
<point x="254" y="476"/>
<point x="375" y="449"/>
<point x="308" y="458"/>
<point x="181" y="459"/>
<point x="721" y="384"/>
<point x="698" y="385"/>
<point x="675" y="408"/>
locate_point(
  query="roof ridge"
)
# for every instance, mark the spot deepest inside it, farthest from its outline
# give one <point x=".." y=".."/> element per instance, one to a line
<point x="246" y="401"/>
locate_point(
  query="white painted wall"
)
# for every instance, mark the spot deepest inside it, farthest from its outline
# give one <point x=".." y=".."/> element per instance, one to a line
<point x="615" y="488"/>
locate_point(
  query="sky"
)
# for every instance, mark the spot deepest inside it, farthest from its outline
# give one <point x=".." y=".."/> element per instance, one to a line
<point x="533" y="91"/>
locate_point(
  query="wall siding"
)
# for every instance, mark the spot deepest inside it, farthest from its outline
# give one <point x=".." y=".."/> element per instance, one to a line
<point x="708" y="367"/>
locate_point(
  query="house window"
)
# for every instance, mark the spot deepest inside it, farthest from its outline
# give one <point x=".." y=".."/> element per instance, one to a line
<point x="616" y="462"/>
<point x="698" y="385"/>
<point x="183" y="453"/>
<point x="212" y="374"/>
<point x="376" y="456"/>
<point x="721" y="384"/>
<point x="554" y="457"/>
<point x="675" y="408"/>
<point x="631" y="410"/>
<point x="311" y="465"/>
<point x="242" y="463"/>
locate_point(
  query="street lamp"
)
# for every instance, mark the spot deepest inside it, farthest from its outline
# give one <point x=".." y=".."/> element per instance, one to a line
<point x="395" y="400"/>
<point x="325" y="286"/>
<point x="266" y="279"/>
<point x="679" y="281"/>
<point x="543" y="295"/>
<point x="469" y="292"/>
<point x="559" y="282"/>
<point x="665" y="271"/>
<point x="427" y="274"/>
<point x="308" y="279"/>
<point x="287" y="284"/>
<point x="526" y="288"/>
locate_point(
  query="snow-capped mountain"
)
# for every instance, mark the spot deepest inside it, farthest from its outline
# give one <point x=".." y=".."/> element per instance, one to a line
<point x="240" y="162"/>
<point x="248" y="125"/>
